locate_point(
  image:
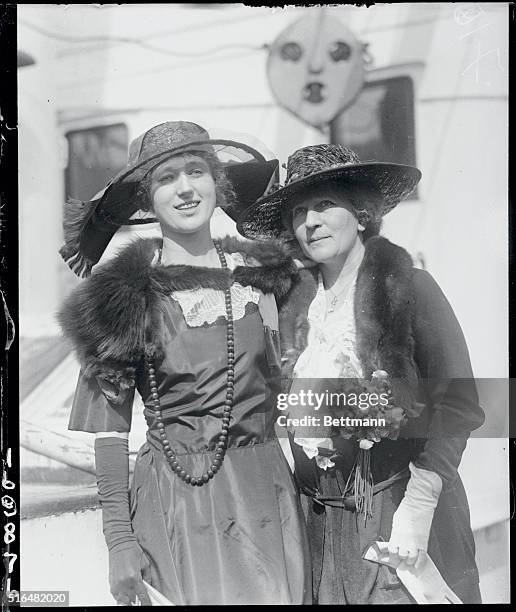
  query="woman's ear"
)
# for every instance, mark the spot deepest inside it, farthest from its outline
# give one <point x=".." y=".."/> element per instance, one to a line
<point x="361" y="227"/>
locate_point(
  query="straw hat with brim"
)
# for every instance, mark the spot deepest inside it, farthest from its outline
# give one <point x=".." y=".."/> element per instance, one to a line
<point x="328" y="164"/>
<point x="90" y="225"/>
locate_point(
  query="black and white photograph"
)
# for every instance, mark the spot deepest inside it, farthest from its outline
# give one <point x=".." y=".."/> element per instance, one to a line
<point x="263" y="304"/>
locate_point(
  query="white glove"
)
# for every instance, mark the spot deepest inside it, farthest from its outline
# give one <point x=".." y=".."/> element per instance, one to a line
<point x="412" y="520"/>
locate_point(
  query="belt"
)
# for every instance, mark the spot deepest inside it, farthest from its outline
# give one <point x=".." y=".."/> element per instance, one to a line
<point x="348" y="502"/>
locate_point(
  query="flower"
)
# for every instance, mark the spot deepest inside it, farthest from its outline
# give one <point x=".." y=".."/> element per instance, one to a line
<point x="381" y="374"/>
<point x="367" y="431"/>
<point x="366" y="414"/>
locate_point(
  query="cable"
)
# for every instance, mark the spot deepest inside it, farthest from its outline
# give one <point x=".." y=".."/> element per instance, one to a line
<point x="74" y="39"/>
<point x="140" y="42"/>
<point x="202" y="53"/>
<point x="195" y="27"/>
<point x="158" y="70"/>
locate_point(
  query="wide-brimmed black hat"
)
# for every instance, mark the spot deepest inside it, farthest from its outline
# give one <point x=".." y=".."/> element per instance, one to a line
<point x="330" y="164"/>
<point x="90" y="225"/>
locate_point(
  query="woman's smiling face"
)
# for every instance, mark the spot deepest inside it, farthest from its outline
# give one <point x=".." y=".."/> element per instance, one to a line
<point x="324" y="224"/>
<point x="183" y="195"/>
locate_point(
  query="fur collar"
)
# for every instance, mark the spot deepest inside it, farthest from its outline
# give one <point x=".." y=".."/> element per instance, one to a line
<point x="383" y="307"/>
<point x="115" y="317"/>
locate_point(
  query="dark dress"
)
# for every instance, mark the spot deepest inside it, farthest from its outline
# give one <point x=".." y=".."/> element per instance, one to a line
<point x="240" y="538"/>
<point x="405" y="326"/>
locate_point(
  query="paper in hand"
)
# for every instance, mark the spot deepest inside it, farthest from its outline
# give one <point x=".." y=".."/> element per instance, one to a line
<point x="425" y="584"/>
<point x="157" y="599"/>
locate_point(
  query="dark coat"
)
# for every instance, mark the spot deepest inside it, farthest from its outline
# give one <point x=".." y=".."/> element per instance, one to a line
<point x="406" y="326"/>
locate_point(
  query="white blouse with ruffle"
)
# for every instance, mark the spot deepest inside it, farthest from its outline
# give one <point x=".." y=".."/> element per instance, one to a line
<point x="330" y="352"/>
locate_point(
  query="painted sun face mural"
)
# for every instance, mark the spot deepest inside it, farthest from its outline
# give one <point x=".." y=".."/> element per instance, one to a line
<point x="316" y="68"/>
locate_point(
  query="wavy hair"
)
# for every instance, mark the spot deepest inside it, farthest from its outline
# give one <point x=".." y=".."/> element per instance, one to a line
<point x="225" y="195"/>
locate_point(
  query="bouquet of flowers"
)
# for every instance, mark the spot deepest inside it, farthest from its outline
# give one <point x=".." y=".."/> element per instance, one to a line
<point x="377" y="415"/>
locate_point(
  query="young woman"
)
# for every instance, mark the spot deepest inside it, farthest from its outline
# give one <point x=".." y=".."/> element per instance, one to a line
<point x="191" y="324"/>
<point x="363" y="312"/>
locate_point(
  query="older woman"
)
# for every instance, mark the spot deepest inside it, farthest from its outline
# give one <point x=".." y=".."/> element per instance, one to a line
<point x="191" y="324"/>
<point x="363" y="312"/>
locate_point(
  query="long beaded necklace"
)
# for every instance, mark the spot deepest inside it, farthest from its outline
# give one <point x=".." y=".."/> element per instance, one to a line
<point x="221" y="446"/>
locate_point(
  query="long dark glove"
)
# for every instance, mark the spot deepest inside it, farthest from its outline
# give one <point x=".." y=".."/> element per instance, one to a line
<point x="127" y="562"/>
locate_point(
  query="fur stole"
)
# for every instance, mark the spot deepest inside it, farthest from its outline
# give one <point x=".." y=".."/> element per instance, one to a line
<point x="383" y="308"/>
<point x="115" y="317"/>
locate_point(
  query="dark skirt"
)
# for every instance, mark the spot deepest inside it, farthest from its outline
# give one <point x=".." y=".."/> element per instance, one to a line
<point x="339" y="537"/>
<point x="240" y="539"/>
